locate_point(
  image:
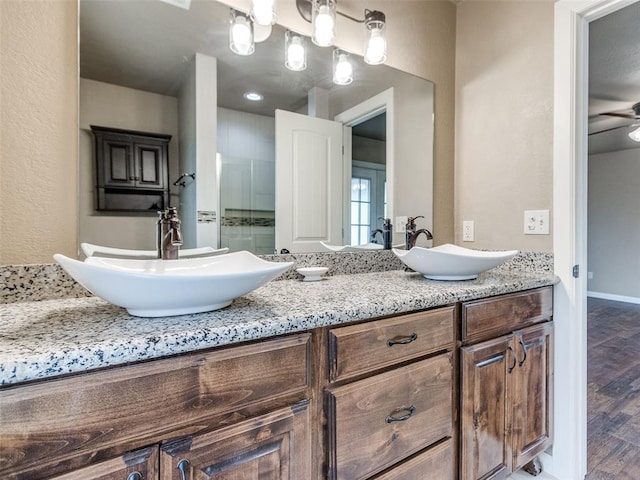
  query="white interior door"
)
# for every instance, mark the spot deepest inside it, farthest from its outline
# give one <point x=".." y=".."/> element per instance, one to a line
<point x="309" y="182"/>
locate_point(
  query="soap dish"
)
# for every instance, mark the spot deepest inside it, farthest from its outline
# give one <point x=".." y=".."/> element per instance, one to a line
<point x="312" y="274"/>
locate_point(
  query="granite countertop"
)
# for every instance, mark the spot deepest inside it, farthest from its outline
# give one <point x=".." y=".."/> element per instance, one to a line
<point x="42" y="339"/>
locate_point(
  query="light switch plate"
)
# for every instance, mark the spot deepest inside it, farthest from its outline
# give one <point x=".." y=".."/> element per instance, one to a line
<point x="401" y="224"/>
<point x="536" y="222"/>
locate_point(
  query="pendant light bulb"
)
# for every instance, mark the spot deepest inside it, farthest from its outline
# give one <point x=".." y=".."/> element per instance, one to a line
<point x="263" y="12"/>
<point x="324" y="22"/>
<point x="241" y="34"/>
<point x="342" y="69"/>
<point x="295" y="52"/>
<point x="376" y="44"/>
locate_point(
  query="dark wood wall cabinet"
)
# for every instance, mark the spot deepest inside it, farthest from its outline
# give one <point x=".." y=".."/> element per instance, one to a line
<point x="132" y="170"/>
<point x="373" y="400"/>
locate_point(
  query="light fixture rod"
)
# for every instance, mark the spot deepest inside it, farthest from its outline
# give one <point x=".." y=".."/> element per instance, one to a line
<point x="304" y="8"/>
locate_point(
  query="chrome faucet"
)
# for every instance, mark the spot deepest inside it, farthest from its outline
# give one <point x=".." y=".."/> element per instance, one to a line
<point x="412" y="234"/>
<point x="386" y="232"/>
<point x="168" y="235"/>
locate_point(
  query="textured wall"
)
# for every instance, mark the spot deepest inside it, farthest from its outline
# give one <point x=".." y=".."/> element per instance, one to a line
<point x="504" y="120"/>
<point x="39" y="130"/>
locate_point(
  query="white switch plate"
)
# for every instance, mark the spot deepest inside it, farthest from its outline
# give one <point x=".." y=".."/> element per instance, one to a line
<point x="467" y="231"/>
<point x="536" y="222"/>
<point x="401" y="224"/>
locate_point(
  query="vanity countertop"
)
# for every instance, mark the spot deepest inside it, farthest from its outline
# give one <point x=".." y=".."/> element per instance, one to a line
<point x="43" y="339"/>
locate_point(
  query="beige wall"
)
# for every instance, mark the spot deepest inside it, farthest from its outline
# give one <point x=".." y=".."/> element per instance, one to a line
<point x="504" y="120"/>
<point x="108" y="105"/>
<point x="39" y="130"/>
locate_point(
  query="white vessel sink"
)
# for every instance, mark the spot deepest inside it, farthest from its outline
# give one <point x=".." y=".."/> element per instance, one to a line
<point x="451" y="262"/>
<point x="354" y="248"/>
<point x="160" y="288"/>
<point x="91" y="250"/>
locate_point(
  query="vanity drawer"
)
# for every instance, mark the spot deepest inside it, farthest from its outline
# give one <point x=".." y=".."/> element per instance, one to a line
<point x="435" y="463"/>
<point x="376" y="422"/>
<point x="68" y="419"/>
<point x="495" y="316"/>
<point x="361" y="348"/>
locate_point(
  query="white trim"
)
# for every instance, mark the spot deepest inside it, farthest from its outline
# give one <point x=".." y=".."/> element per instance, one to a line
<point x="382" y="102"/>
<point x="615" y="298"/>
<point x="571" y="35"/>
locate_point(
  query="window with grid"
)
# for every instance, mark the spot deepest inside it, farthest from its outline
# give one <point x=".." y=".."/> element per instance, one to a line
<point x="360" y="210"/>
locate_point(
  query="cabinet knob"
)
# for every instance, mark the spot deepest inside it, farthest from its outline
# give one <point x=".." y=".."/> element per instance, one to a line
<point x="183" y="466"/>
<point x="135" y="476"/>
<point x="402" y="340"/>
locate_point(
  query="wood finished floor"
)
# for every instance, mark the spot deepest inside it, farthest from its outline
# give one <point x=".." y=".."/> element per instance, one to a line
<point x="613" y="390"/>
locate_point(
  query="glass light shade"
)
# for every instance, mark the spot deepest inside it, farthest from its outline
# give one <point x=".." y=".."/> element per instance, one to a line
<point x="323" y="18"/>
<point x="241" y="34"/>
<point x="635" y="135"/>
<point x="263" y="12"/>
<point x="295" y="52"/>
<point x="342" y="69"/>
<point x="376" y="47"/>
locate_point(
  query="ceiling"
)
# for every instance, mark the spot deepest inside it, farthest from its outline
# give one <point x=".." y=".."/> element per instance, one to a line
<point x="614" y="78"/>
<point x="147" y="45"/>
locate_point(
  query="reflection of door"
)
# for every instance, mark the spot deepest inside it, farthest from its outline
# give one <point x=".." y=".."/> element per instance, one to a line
<point x="309" y="182"/>
<point x="367" y="200"/>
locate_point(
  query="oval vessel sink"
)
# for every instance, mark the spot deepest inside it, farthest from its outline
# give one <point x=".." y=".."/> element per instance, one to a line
<point x="160" y="288"/>
<point x="451" y="262"/>
<point x="91" y="250"/>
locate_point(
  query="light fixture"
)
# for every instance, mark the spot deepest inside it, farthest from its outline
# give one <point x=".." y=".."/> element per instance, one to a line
<point x="342" y="69"/>
<point x="241" y="33"/>
<point x="263" y="12"/>
<point x="295" y="52"/>
<point x="323" y="19"/>
<point x="253" y="96"/>
<point x="635" y="134"/>
<point x="375" y="47"/>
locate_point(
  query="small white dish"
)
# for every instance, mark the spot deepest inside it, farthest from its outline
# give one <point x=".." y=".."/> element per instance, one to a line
<point x="312" y="274"/>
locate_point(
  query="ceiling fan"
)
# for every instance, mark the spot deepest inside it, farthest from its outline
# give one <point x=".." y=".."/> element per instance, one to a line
<point x="633" y="114"/>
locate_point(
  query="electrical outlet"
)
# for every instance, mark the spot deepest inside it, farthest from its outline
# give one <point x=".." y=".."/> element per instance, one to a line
<point x="536" y="222"/>
<point x="467" y="231"/>
<point x="401" y="224"/>
<point x="589" y="275"/>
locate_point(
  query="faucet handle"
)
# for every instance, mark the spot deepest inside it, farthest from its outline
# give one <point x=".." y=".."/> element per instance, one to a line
<point x="411" y="222"/>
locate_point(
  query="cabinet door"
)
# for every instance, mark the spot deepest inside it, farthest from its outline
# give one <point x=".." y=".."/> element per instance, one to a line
<point x="138" y="465"/>
<point x="532" y="398"/>
<point x="486" y="371"/>
<point x="117" y="162"/>
<point x="275" y="446"/>
<point x="149" y="164"/>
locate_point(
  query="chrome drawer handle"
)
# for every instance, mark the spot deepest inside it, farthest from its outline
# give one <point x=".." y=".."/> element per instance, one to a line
<point x="135" y="476"/>
<point x="183" y="465"/>
<point x="402" y="340"/>
<point x="407" y="416"/>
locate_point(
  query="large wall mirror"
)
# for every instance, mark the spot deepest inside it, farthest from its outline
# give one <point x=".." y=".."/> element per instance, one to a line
<point x="152" y="66"/>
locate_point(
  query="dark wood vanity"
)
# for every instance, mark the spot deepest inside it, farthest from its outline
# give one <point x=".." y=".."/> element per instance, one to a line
<point x="458" y="391"/>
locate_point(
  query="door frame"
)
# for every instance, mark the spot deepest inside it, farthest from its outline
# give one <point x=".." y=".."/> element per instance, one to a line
<point x="382" y="102"/>
<point x="568" y="459"/>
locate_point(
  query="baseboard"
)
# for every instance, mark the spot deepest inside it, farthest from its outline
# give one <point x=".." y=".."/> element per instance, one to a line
<point x="616" y="298"/>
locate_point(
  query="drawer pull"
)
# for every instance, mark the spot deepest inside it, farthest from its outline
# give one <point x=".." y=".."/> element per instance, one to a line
<point x="513" y="355"/>
<point x="402" y="340"/>
<point x="183" y="465"/>
<point x="524" y="353"/>
<point x="407" y="416"/>
<point x="135" y="476"/>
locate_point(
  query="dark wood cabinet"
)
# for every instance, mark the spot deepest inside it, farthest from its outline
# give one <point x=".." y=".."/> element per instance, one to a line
<point x="506" y="386"/>
<point x="137" y="465"/>
<point x="274" y="446"/>
<point x="132" y="170"/>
